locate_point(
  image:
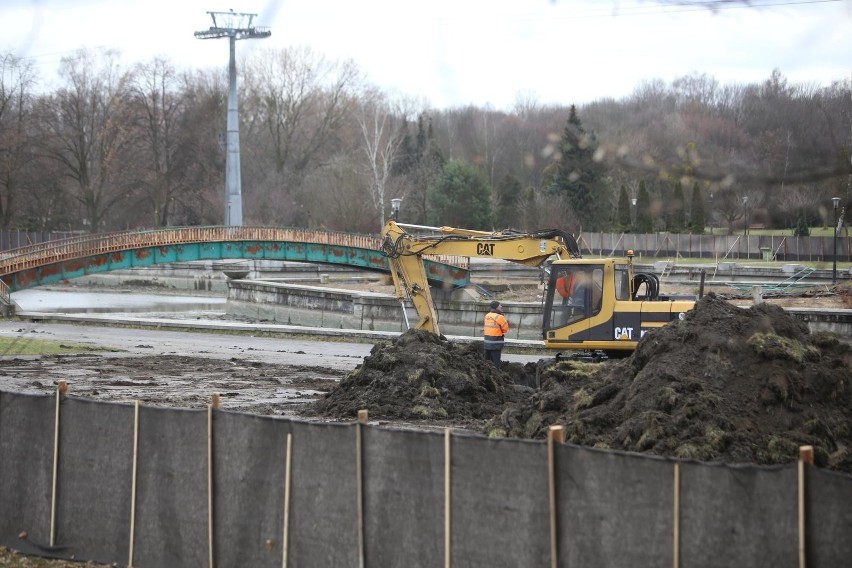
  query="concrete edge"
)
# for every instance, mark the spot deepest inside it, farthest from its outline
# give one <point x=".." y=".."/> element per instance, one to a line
<point x="515" y="345"/>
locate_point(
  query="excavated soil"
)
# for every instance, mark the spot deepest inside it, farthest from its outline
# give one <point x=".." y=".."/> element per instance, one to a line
<point x="421" y="376"/>
<point x="173" y="380"/>
<point x="724" y="384"/>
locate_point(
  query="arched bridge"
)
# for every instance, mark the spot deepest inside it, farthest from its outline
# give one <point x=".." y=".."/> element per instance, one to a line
<point x="60" y="260"/>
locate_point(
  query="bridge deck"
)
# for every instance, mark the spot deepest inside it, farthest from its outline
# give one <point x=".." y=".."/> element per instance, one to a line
<point x="65" y="259"/>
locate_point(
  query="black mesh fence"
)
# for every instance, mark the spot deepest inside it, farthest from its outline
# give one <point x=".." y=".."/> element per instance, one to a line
<point x="155" y="487"/>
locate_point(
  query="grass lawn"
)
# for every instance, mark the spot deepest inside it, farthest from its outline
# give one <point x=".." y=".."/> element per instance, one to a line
<point x="12" y="346"/>
<point x="815" y="232"/>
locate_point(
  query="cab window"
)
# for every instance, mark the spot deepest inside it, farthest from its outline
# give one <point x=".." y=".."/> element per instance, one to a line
<point x="577" y="294"/>
<point x="622" y="283"/>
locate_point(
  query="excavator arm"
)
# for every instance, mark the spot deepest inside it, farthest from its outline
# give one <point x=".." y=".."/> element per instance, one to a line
<point x="405" y="256"/>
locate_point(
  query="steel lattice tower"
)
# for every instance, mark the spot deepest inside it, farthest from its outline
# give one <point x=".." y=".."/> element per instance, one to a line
<point x="234" y="26"/>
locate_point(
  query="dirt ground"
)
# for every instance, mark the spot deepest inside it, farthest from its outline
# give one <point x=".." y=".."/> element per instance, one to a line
<point x="725" y="385"/>
<point x="174" y="380"/>
<point x="422" y="381"/>
<point x="421" y="378"/>
<point x="728" y="385"/>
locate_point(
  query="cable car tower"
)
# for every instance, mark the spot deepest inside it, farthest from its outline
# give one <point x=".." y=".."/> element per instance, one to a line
<point x="234" y="26"/>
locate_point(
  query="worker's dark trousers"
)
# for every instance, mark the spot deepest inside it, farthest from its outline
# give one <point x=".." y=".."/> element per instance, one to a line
<point x="493" y="355"/>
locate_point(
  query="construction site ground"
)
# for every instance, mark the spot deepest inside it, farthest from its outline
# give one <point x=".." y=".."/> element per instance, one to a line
<point x="724" y="385"/>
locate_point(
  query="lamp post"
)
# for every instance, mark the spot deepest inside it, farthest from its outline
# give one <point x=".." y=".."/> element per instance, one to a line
<point x="395" y="204"/>
<point x="745" y="230"/>
<point x="835" y="201"/>
<point x="710" y="214"/>
<point x="633" y="213"/>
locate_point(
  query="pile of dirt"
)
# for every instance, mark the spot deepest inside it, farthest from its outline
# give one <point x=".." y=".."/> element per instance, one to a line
<point x="724" y="384"/>
<point x="421" y="376"/>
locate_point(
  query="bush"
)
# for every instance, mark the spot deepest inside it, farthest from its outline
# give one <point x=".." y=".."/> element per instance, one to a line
<point x="802" y="229"/>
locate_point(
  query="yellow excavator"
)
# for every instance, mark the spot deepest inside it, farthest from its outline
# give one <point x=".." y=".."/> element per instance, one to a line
<point x="590" y="305"/>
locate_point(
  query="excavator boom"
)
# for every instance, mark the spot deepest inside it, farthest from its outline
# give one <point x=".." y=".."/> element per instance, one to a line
<point x="405" y="254"/>
<point x="589" y="305"/>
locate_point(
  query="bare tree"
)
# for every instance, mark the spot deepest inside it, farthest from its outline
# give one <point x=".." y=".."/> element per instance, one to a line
<point x="381" y="138"/>
<point x="799" y="201"/>
<point x="17" y="79"/>
<point x="333" y="196"/>
<point x="205" y="95"/>
<point x="87" y="132"/>
<point x="763" y="135"/>
<point x="296" y="105"/>
<point x="538" y="210"/>
<point x="162" y="162"/>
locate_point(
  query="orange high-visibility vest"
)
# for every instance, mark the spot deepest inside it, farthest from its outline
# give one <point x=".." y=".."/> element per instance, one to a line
<point x="565" y="285"/>
<point x="495" y="325"/>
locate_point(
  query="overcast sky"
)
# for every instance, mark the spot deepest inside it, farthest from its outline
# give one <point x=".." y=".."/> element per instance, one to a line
<point x="459" y="52"/>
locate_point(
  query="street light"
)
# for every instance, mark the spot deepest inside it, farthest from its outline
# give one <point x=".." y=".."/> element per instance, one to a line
<point x="633" y="213"/>
<point x="745" y="209"/>
<point x="835" y="201"/>
<point x="710" y="214"/>
<point x="395" y="204"/>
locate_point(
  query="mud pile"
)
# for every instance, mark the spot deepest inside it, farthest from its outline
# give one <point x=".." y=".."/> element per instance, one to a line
<point x="725" y="384"/>
<point x="420" y="376"/>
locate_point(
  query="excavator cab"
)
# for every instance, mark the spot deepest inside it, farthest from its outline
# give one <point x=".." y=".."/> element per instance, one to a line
<point x="600" y="305"/>
<point x="577" y="294"/>
<point x="581" y="302"/>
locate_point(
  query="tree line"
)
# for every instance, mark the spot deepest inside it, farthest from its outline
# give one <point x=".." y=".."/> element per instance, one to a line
<point x="111" y="148"/>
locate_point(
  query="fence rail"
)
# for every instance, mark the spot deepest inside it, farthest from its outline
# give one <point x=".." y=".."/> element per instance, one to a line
<point x="718" y="247"/>
<point x="79" y="246"/>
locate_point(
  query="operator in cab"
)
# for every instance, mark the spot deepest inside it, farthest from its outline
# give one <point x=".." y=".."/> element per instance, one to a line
<point x="495" y="328"/>
<point x="565" y="285"/>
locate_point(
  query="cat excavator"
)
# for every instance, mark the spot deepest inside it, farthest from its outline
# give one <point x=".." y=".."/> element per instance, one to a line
<point x="590" y="305"/>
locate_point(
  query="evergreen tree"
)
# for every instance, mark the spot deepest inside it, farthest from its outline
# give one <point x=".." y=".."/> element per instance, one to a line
<point x="697" y="217"/>
<point x="530" y="221"/>
<point x="460" y="197"/>
<point x="676" y="209"/>
<point x="663" y="207"/>
<point x="421" y="168"/>
<point x="579" y="176"/>
<point x="408" y="154"/>
<point x="644" y="217"/>
<point x="508" y="193"/>
<point x="624" y="219"/>
<point x="802" y="229"/>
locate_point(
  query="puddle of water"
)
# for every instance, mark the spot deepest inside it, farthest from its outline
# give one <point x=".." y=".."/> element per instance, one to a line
<point x="280" y="396"/>
<point x="35" y="300"/>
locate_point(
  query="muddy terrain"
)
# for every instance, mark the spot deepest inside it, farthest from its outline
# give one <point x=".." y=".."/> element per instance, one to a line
<point x="426" y="379"/>
<point x="725" y="384"/>
<point x="174" y="380"/>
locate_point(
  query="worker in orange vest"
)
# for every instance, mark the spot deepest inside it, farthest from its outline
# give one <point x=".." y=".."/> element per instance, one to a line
<point x="495" y="328"/>
<point x="565" y="285"/>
